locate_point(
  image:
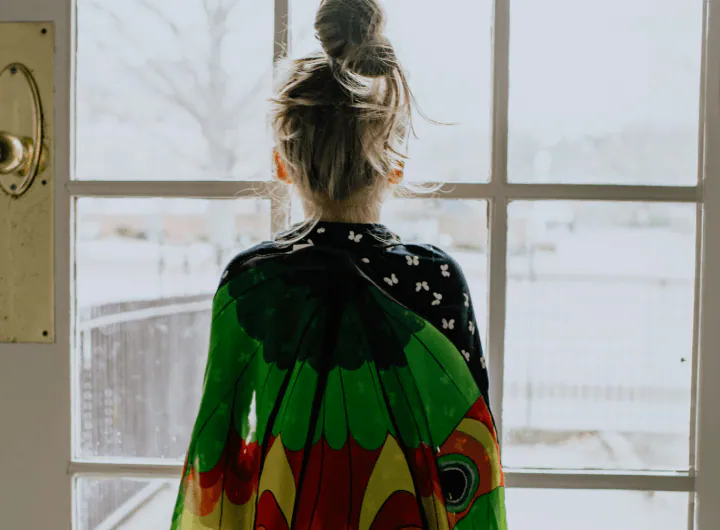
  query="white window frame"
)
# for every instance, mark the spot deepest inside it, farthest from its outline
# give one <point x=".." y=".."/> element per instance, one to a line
<point x="53" y="472"/>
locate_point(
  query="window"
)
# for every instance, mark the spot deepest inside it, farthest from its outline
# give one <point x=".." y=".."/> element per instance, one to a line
<point x="590" y="290"/>
<point x="580" y="193"/>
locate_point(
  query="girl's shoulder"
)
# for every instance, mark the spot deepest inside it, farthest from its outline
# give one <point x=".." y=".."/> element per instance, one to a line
<point x="415" y="261"/>
<point x="429" y="254"/>
<point x="427" y="251"/>
<point x="419" y="267"/>
<point x="248" y="258"/>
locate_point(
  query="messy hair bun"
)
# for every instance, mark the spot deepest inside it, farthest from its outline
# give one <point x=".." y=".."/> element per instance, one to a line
<point x="341" y="117"/>
<point x="351" y="34"/>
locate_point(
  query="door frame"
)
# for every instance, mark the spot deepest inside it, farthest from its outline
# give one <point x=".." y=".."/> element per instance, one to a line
<point x="35" y="410"/>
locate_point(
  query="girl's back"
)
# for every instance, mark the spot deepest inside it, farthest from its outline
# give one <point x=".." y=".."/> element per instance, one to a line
<point x="345" y="386"/>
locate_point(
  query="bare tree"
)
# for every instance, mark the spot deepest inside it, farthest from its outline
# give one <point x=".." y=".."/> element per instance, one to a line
<point x="196" y="82"/>
<point x="196" y="86"/>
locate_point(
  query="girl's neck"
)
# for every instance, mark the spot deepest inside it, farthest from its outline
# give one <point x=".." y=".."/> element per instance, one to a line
<point x="344" y="212"/>
<point x="349" y="219"/>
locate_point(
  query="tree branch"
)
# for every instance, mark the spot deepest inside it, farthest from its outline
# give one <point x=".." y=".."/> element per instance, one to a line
<point x="109" y="13"/>
<point x="248" y="98"/>
<point x="174" y="92"/>
<point x="198" y="87"/>
<point x="163" y="17"/>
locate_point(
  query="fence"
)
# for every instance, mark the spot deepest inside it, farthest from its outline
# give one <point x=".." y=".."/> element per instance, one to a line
<point x="141" y="365"/>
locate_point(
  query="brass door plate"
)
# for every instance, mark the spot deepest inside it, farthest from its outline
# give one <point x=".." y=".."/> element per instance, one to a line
<point x="27" y="301"/>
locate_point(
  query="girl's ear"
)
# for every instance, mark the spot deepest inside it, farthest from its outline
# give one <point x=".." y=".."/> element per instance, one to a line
<point x="281" y="169"/>
<point x="397" y="175"/>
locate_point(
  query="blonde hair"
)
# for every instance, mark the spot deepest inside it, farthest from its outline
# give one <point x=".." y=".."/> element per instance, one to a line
<point x="341" y="117"/>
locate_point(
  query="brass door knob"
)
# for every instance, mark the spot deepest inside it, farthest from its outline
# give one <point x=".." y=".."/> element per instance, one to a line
<point x="14" y="154"/>
<point x="23" y="157"/>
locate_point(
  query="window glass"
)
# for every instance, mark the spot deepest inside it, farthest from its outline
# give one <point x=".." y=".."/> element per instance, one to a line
<point x="173" y="89"/>
<point x="599" y="335"/>
<point x="605" y="92"/>
<point x="146" y="273"/>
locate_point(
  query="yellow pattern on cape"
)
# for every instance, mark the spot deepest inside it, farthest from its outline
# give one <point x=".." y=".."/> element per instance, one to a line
<point x="389" y="475"/>
<point x="278" y="479"/>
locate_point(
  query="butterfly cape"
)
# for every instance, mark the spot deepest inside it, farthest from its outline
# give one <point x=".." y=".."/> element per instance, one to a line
<point x="327" y="404"/>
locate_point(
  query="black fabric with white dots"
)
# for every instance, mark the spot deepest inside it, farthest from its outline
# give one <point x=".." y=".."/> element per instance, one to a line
<point x="421" y="277"/>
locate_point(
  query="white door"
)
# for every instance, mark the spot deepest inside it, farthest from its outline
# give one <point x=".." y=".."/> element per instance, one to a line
<point x="581" y="195"/>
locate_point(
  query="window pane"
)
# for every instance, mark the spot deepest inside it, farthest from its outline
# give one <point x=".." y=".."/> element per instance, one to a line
<point x="447" y="55"/>
<point x="596" y="510"/>
<point x="605" y="92"/>
<point x="146" y="273"/>
<point x="173" y="89"/>
<point x="599" y="335"/>
<point x="124" y="504"/>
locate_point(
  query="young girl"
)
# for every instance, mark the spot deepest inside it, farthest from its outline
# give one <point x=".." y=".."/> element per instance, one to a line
<point x="345" y="386"/>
